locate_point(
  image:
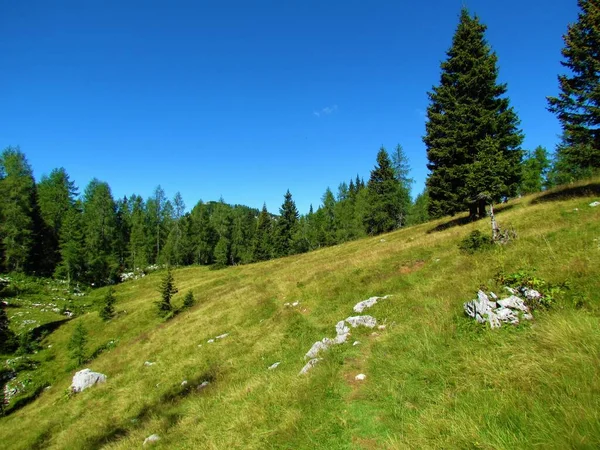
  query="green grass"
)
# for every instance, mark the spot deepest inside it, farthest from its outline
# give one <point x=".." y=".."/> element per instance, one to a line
<point x="434" y="378"/>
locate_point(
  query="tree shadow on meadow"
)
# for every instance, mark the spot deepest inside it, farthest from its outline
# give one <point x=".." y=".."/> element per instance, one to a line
<point x="587" y="190"/>
<point x="464" y="220"/>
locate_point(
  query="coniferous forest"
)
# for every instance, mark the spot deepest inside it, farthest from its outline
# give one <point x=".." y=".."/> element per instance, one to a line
<point x="52" y="227"/>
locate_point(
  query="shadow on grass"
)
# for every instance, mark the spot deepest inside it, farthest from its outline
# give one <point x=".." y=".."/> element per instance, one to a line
<point x="47" y="328"/>
<point x="160" y="408"/>
<point x="464" y="220"/>
<point x="567" y="193"/>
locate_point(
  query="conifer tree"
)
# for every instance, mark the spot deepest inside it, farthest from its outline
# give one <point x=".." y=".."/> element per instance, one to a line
<point x="17" y="206"/>
<point x="167" y="290"/>
<point x="72" y="245"/>
<point x="204" y="236"/>
<point x="286" y="226"/>
<point x="578" y="103"/>
<point x="99" y="221"/>
<point x="108" y="309"/>
<point x="535" y="171"/>
<point x="384" y="212"/>
<point x="466" y="109"/>
<point x="402" y="172"/>
<point x="7" y="337"/>
<point x="263" y="247"/>
<point x="56" y="195"/>
<point x="77" y="344"/>
<point x="138" y="257"/>
<point x="188" y="300"/>
<point x="419" y="212"/>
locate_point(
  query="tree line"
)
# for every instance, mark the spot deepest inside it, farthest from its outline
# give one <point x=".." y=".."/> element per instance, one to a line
<point x="49" y="229"/>
<point x="474" y="153"/>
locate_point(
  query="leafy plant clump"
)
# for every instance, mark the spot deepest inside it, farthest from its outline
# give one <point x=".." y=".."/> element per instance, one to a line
<point x="474" y="242"/>
<point x="526" y="283"/>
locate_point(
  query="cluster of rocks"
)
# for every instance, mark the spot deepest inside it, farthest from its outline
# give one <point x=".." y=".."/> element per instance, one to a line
<point x="342" y="331"/>
<point x="497" y="311"/>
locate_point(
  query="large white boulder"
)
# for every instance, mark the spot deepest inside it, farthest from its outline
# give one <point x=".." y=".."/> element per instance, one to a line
<point x="86" y="378"/>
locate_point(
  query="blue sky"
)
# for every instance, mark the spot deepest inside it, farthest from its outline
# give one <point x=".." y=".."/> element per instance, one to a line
<point x="246" y="99"/>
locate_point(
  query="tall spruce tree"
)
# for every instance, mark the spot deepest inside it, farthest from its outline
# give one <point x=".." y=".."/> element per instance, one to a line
<point x="385" y="211"/>
<point x="286" y="226"/>
<point x="263" y="246"/>
<point x="72" y="245"/>
<point x="167" y="290"/>
<point x="99" y="221"/>
<point x="578" y="103"/>
<point x="468" y="118"/>
<point x="18" y="203"/>
<point x="56" y="195"/>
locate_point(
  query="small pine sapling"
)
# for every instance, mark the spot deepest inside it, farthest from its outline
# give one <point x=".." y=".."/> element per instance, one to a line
<point x="108" y="310"/>
<point x="77" y="344"/>
<point x="167" y="289"/>
<point x="188" y="300"/>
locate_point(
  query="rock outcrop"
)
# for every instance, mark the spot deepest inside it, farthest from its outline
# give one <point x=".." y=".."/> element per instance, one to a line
<point x="86" y="378"/>
<point x="508" y="310"/>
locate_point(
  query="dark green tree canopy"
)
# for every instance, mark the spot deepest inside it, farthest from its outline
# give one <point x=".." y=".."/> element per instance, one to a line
<point x="578" y="103"/>
<point x="467" y="109"/>
<point x="287" y="224"/>
<point x="384" y="193"/>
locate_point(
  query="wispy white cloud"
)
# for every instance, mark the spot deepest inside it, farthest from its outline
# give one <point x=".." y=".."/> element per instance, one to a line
<point x="325" y="111"/>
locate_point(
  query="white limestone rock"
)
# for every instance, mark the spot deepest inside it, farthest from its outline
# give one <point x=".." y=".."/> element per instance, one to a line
<point x="366" y="321"/>
<point x="513" y="302"/>
<point x="594" y="204"/>
<point x="274" y="365"/>
<point x="360" y="377"/>
<point x="86" y="378"/>
<point x="318" y="347"/>
<point x="361" y="306"/>
<point x="151" y="439"/>
<point x="309" y="365"/>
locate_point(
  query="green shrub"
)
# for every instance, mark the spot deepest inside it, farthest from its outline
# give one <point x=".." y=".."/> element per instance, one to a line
<point x="475" y="241"/>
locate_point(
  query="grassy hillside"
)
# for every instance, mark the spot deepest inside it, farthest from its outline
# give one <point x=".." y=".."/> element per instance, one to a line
<point x="433" y="379"/>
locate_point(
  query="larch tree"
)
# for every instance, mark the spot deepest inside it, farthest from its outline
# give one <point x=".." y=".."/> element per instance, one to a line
<point x="536" y="166"/>
<point x="469" y="120"/>
<point x="578" y="103"/>
<point x="401" y="168"/>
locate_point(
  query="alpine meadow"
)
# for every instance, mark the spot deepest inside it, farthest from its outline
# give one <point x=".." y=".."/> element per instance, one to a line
<point x="461" y="314"/>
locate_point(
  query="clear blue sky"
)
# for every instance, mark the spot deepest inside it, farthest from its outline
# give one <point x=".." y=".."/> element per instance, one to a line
<point x="246" y="99"/>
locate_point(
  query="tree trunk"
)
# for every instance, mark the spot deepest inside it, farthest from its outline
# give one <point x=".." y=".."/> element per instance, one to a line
<point x="481" y="207"/>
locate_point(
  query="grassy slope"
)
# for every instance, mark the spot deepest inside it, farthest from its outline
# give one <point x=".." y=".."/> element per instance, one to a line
<point x="433" y="379"/>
